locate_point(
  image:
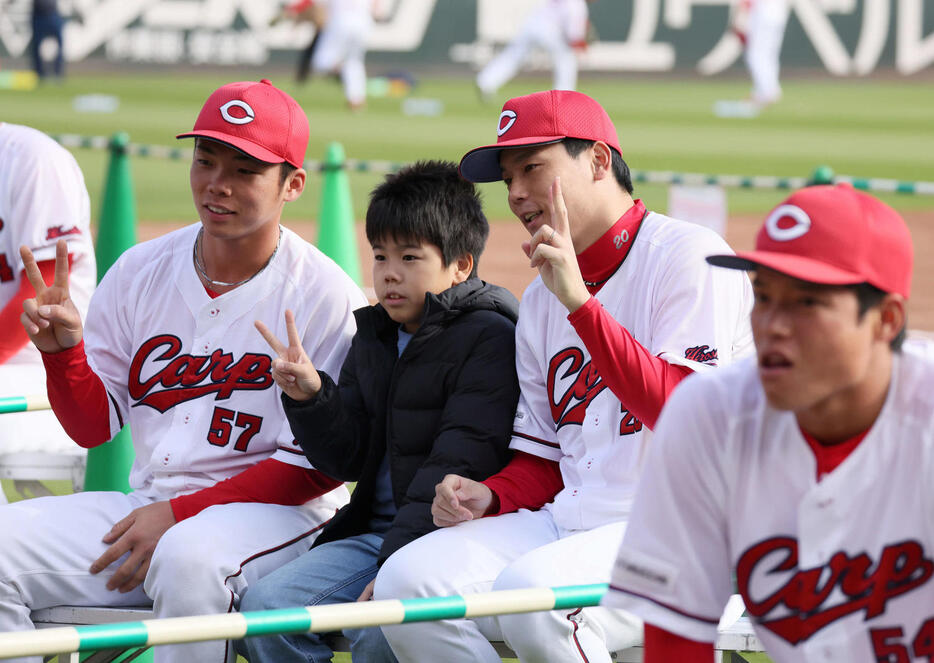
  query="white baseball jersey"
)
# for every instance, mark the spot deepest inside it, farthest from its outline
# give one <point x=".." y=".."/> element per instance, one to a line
<point x="836" y="570"/>
<point x="343" y="44"/>
<point x="191" y="374"/>
<point x="675" y="305"/>
<point x="42" y="199"/>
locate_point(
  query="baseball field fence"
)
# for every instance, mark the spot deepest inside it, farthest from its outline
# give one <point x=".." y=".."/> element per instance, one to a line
<point x="312" y="619"/>
<point x="820" y="175"/>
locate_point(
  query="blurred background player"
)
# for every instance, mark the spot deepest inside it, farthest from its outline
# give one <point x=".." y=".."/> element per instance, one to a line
<point x="42" y="199"/>
<point x="342" y="28"/>
<point x="557" y="27"/>
<point x="47" y="22"/>
<point x="760" y="25"/>
<point x="805" y="474"/>
<point x="221" y="493"/>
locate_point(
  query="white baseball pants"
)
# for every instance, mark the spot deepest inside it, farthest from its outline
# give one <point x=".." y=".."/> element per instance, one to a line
<point x="512" y="551"/>
<point x="201" y="565"/>
<point x="767" y="20"/>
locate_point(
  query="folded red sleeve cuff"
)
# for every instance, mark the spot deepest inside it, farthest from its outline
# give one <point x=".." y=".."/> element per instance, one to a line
<point x="77" y="396"/>
<point x="640" y="380"/>
<point x="268" y="482"/>
<point x="527" y="482"/>
<point x="663" y="646"/>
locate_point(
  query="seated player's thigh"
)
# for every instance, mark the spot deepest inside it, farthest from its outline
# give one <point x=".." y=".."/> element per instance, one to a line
<point x="49" y="543"/>
<point x="576" y="558"/>
<point x="465" y="558"/>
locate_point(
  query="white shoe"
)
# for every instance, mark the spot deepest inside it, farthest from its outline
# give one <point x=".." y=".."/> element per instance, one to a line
<point x="728" y="108"/>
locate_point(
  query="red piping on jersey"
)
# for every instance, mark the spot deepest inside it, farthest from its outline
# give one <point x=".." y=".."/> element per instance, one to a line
<point x="257" y="556"/>
<point x="577" y="642"/>
<point x="532" y="438"/>
<point x="13" y="336"/>
<point x="689" y="615"/>
<point x="663" y="646"/>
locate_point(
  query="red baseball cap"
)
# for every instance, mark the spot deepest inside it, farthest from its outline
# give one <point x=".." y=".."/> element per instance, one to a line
<point x="258" y="119"/>
<point x="539" y="119"/>
<point x="832" y="235"/>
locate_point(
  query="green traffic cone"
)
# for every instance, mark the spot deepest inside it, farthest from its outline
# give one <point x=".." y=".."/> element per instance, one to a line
<point x="336" y="236"/>
<point x="109" y="464"/>
<point x="822" y="175"/>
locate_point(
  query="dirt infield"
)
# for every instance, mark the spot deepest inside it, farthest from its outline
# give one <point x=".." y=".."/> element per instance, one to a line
<point x="504" y="263"/>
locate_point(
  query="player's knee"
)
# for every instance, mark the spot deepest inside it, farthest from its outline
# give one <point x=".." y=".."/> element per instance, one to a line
<point x="181" y="562"/>
<point x="519" y="575"/>
<point x="400" y="576"/>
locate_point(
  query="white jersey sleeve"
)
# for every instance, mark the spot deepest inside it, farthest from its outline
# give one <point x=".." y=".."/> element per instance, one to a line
<point x="701" y="313"/>
<point x="677" y="576"/>
<point x="532" y="432"/>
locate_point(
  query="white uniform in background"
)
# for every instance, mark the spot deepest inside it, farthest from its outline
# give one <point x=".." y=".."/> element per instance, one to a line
<point x="553" y="27"/>
<point x="680" y="309"/>
<point x="765" y="31"/>
<point x="839" y="570"/>
<point x="191" y="375"/>
<point x="343" y="45"/>
<point x="42" y="199"/>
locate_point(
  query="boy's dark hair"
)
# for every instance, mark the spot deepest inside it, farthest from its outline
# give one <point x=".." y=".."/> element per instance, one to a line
<point x="429" y="202"/>
<point x="575" y="146"/>
<point x="869" y="296"/>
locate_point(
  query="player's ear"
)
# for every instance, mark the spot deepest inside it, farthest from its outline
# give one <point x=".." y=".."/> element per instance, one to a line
<point x="463" y="267"/>
<point x="602" y="160"/>
<point x="295" y="184"/>
<point x="892" y="317"/>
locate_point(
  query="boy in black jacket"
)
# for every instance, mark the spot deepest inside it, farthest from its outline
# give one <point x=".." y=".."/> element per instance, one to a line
<point x="428" y="388"/>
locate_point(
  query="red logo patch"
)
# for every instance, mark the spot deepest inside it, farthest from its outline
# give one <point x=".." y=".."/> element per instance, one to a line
<point x="585" y="384"/>
<point x="701" y="353"/>
<point x="54" y="232"/>
<point x="185" y="377"/>
<point x="800" y="602"/>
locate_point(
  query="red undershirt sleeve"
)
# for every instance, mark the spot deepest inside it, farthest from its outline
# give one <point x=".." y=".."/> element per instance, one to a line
<point x="13" y="337"/>
<point x="639" y="379"/>
<point x="527" y="482"/>
<point x="663" y="646"/>
<point x="77" y="396"/>
<point x="268" y="482"/>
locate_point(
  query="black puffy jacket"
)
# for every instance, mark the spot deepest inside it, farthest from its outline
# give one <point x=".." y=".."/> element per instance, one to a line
<point x="446" y="405"/>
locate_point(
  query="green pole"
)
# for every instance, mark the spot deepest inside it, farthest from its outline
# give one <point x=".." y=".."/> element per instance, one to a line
<point x="336" y="236"/>
<point x="109" y="464"/>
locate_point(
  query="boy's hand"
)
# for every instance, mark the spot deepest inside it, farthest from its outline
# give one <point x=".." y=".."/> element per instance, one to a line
<point x="50" y="319"/>
<point x="552" y="252"/>
<point x="292" y="370"/>
<point x="458" y="499"/>
<point x="367" y="593"/>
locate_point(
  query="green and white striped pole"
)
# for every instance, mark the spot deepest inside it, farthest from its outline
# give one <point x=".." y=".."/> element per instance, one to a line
<point x="316" y="619"/>
<point x="10" y="404"/>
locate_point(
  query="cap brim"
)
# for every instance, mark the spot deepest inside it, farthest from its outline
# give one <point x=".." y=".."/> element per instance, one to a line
<point x="798" y="267"/>
<point x="247" y="147"/>
<point x="481" y="164"/>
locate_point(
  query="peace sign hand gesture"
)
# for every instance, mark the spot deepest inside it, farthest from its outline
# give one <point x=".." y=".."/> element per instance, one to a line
<point x="292" y="370"/>
<point x="51" y="319"/>
<point x="551" y="250"/>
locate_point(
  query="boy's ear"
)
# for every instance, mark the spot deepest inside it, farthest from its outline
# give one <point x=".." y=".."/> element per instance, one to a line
<point x="892" y="317"/>
<point x="463" y="267"/>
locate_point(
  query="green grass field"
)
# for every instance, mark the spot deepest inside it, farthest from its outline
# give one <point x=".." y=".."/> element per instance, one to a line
<point x="866" y="128"/>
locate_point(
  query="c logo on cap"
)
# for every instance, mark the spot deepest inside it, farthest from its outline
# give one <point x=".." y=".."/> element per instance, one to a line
<point x="244" y="106"/>
<point x="510" y="120"/>
<point x="802" y="223"/>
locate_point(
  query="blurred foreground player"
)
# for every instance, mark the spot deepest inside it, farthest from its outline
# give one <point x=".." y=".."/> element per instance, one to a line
<point x="806" y="472"/>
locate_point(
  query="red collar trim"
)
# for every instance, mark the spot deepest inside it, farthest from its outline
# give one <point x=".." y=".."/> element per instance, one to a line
<point x="600" y="261"/>
<point x="829" y="456"/>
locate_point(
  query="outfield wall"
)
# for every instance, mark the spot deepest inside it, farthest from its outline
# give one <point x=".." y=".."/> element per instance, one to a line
<point x="843" y="37"/>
